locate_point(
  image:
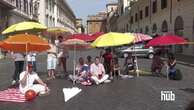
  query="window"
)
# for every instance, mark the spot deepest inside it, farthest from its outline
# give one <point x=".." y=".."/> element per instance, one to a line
<point x="164" y="26"/>
<point x="146" y="11"/>
<point x="179" y="30"/>
<point x="141" y="14"/>
<point x="154" y="6"/>
<point x="163" y="4"/>
<point x="131" y="19"/>
<point x="146" y="30"/>
<point x="136" y="17"/>
<point x="154" y="28"/>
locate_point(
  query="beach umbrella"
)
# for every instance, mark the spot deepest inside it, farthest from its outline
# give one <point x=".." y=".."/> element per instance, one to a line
<point x="24" y="43"/>
<point x="96" y="35"/>
<point x="24" y="27"/>
<point x="113" y="39"/>
<point x="139" y="37"/>
<point x="83" y="37"/>
<point x="75" y="44"/>
<point x="166" y="41"/>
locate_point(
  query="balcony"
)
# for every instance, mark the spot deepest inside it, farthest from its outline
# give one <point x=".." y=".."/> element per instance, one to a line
<point x="8" y="3"/>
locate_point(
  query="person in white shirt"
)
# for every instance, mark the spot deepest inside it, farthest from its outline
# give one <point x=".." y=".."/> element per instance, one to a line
<point x="51" y="61"/>
<point x="27" y="79"/>
<point x="62" y="54"/>
<point x="98" y="72"/>
<point x="31" y="59"/>
<point x="19" y="66"/>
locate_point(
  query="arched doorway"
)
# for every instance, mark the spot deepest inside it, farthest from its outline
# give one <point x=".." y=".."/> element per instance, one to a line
<point x="154" y="29"/>
<point x="146" y="30"/>
<point x="164" y="26"/>
<point x="179" y="30"/>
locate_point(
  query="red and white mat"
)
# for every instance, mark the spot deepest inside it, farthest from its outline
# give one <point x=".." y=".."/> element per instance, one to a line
<point x="12" y="95"/>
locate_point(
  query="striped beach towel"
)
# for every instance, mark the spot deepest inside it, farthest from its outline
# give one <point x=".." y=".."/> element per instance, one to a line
<point x="12" y="95"/>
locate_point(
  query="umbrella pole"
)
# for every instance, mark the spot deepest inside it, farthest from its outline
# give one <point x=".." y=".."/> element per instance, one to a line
<point x="137" y="68"/>
<point x="74" y="65"/>
<point x="26" y="56"/>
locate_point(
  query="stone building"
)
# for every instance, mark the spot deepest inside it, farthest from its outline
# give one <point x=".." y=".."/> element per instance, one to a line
<point x="96" y="23"/>
<point x="165" y="17"/>
<point x="79" y="26"/>
<point x="57" y="13"/>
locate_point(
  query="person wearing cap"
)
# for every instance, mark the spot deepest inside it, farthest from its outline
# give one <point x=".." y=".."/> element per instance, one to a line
<point x="27" y="79"/>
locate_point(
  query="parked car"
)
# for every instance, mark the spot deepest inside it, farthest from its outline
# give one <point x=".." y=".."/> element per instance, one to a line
<point x="138" y="49"/>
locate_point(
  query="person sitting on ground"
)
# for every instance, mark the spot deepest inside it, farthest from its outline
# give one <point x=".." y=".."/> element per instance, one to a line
<point x="82" y="71"/>
<point x="129" y="64"/>
<point x="171" y="66"/>
<point x="157" y="64"/>
<point x="27" y="79"/>
<point x="89" y="60"/>
<point x="98" y="72"/>
<point x="116" y="67"/>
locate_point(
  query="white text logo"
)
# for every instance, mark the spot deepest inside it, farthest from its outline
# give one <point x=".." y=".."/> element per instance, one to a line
<point x="167" y="96"/>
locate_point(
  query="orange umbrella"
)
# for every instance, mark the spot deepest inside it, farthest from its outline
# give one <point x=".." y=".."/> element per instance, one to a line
<point x="24" y="43"/>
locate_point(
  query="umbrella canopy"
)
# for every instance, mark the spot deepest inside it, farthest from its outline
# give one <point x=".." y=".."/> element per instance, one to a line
<point x="139" y="37"/>
<point x="113" y="39"/>
<point x="96" y="35"/>
<point x="57" y="30"/>
<point x="77" y="44"/>
<point x="166" y="40"/>
<point x="83" y="37"/>
<point x="24" y="27"/>
<point x="24" y="43"/>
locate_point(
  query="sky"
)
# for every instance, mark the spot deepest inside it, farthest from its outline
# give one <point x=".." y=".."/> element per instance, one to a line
<point x="83" y="8"/>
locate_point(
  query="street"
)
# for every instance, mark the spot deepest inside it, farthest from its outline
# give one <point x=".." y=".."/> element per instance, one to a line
<point x="139" y="93"/>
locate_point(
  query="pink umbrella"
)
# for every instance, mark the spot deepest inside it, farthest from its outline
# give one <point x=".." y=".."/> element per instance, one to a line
<point x="139" y="37"/>
<point x="166" y="40"/>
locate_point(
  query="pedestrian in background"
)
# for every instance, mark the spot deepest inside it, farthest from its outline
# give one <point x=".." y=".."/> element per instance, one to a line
<point x="31" y="59"/>
<point x="51" y="61"/>
<point x="19" y="66"/>
<point x="108" y="57"/>
<point x="62" y="54"/>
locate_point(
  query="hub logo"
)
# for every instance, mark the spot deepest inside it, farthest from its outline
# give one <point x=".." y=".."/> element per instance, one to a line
<point x="167" y="96"/>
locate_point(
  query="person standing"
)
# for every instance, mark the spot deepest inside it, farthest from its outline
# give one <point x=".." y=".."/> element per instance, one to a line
<point x="51" y="61"/>
<point x="31" y="59"/>
<point x="19" y="66"/>
<point x="108" y="61"/>
<point x="62" y="54"/>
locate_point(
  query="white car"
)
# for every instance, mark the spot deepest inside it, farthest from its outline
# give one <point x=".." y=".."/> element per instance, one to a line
<point x="139" y="50"/>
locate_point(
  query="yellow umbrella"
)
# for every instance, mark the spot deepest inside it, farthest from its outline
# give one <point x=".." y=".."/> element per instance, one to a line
<point x="24" y="27"/>
<point x="113" y="39"/>
<point x="57" y="30"/>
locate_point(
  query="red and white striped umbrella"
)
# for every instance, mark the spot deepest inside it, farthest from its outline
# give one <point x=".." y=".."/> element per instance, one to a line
<point x="139" y="37"/>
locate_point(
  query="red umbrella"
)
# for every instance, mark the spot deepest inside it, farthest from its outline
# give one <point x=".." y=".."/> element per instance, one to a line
<point x="83" y="37"/>
<point x="96" y="35"/>
<point x="166" y="40"/>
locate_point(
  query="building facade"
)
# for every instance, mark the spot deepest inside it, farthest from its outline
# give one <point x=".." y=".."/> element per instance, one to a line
<point x="14" y="11"/>
<point x="165" y="17"/>
<point x="57" y="13"/>
<point x="97" y="23"/>
<point x="112" y="16"/>
<point x="159" y="17"/>
<point x="79" y="26"/>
